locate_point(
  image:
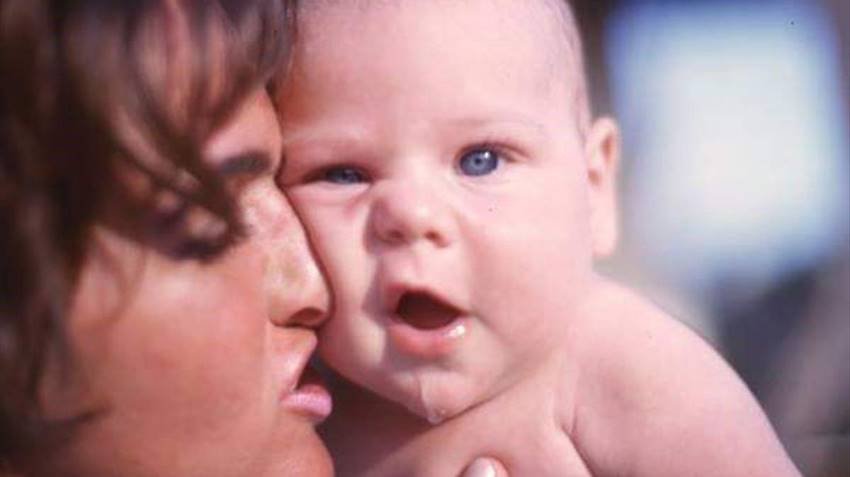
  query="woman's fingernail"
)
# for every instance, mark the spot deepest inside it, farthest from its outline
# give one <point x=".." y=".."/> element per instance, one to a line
<point x="481" y="468"/>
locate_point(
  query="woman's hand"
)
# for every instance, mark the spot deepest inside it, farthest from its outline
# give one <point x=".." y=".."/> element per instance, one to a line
<point x="485" y="467"/>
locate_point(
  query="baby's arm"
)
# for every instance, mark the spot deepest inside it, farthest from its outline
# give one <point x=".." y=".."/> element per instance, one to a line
<point x="656" y="400"/>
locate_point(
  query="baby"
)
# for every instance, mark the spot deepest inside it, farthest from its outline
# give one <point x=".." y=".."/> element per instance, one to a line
<point x="442" y="157"/>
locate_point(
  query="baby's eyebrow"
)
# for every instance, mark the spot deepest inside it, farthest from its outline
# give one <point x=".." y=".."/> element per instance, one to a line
<point x="496" y="123"/>
<point x="333" y="138"/>
<point x="320" y="137"/>
<point x="488" y="121"/>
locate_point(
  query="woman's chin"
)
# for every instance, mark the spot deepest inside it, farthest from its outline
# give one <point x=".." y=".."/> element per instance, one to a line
<point x="306" y="454"/>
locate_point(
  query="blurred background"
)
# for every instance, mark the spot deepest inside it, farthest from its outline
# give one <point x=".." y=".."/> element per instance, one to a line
<point x="736" y="190"/>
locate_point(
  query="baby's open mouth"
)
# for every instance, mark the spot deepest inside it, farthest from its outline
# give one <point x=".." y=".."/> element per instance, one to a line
<point x="423" y="311"/>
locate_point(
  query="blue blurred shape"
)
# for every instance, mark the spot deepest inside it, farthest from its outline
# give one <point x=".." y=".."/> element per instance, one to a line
<point x="736" y="137"/>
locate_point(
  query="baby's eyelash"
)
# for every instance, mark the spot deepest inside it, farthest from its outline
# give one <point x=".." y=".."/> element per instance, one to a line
<point x="501" y="148"/>
<point x="327" y="173"/>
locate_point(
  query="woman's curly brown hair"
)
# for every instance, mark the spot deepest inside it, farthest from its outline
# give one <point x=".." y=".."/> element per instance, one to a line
<point x="73" y="75"/>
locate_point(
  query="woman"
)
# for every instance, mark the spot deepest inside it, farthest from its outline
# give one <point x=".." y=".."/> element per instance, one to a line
<point x="158" y="297"/>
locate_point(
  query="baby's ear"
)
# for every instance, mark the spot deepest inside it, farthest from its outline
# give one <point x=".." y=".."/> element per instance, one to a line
<point x="602" y="152"/>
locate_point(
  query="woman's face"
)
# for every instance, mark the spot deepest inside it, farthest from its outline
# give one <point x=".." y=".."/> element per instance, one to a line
<point x="199" y="367"/>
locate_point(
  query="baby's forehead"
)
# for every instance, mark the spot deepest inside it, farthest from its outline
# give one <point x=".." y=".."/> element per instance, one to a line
<point x="551" y="22"/>
<point x="553" y="17"/>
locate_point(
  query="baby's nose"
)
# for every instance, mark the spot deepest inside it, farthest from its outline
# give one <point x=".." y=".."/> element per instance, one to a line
<point x="407" y="212"/>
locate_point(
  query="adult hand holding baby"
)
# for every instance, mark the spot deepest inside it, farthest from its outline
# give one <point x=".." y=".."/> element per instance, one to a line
<point x="485" y="467"/>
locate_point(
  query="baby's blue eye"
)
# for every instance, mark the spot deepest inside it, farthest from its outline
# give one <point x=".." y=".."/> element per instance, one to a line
<point x="343" y="175"/>
<point x="479" y="162"/>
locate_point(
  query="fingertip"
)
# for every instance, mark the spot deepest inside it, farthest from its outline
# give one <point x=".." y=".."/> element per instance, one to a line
<point x="485" y="467"/>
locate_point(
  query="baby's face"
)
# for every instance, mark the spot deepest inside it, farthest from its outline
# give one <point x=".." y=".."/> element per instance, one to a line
<point x="433" y="153"/>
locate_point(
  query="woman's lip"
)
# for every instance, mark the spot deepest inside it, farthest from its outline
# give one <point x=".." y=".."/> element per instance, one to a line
<point x="427" y="343"/>
<point x="310" y="397"/>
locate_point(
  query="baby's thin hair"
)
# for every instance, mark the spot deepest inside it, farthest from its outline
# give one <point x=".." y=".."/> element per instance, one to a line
<point x="570" y="58"/>
<point x="574" y="55"/>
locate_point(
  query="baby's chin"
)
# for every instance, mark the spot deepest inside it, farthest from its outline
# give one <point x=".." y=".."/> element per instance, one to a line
<point x="436" y="396"/>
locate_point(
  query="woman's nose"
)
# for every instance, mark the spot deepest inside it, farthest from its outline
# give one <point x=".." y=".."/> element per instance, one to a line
<point x="311" y="301"/>
<point x="408" y="212"/>
<point x="297" y="288"/>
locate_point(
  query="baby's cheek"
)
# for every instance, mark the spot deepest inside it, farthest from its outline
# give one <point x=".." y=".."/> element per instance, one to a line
<point x="532" y="269"/>
<point x="344" y="348"/>
<point x="340" y="243"/>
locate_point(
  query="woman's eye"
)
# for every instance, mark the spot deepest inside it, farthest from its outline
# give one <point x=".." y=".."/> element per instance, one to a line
<point x="479" y="162"/>
<point x="343" y="175"/>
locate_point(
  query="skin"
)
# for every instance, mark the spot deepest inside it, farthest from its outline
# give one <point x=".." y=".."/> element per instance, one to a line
<point x="190" y="363"/>
<point x="451" y="225"/>
<point x="420" y="223"/>
<point x="550" y="368"/>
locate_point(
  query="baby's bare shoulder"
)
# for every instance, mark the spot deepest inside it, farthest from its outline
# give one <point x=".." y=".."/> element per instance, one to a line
<point x="631" y="344"/>
<point x="655" y="399"/>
